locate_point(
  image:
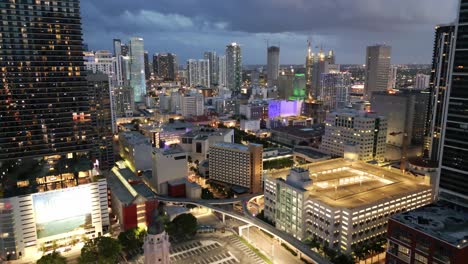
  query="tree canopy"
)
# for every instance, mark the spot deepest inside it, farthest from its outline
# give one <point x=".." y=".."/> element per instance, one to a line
<point x="132" y="239"/>
<point x="52" y="258"/>
<point x="184" y="225"/>
<point x="102" y="250"/>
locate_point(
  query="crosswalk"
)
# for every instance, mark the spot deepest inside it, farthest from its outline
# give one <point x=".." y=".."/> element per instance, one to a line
<point x="254" y="258"/>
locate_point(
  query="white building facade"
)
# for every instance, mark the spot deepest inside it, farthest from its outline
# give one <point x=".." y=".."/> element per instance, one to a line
<point x="361" y="133"/>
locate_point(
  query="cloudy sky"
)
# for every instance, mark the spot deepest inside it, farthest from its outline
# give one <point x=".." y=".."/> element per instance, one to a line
<point x="189" y="27"/>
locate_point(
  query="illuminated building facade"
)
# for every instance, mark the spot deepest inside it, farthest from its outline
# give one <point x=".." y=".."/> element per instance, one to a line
<point x="40" y="221"/>
<point x="441" y="62"/>
<point x="453" y="185"/>
<point x="283" y="108"/>
<point x="137" y="69"/>
<point x="165" y="66"/>
<point x="238" y="165"/>
<point x="291" y="86"/>
<point x="339" y="203"/>
<point x="103" y="119"/>
<point x="362" y="133"/>
<point x="45" y="107"/>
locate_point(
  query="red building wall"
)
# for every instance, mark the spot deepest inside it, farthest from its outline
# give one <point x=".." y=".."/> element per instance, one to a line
<point x="129" y="215"/>
<point x="457" y="255"/>
<point x="176" y="190"/>
<point x="150" y="206"/>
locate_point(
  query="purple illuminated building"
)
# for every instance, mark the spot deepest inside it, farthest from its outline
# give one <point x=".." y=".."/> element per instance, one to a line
<point x="284" y="108"/>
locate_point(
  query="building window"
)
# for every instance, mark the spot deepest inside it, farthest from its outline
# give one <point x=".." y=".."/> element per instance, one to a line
<point x="420" y="259"/>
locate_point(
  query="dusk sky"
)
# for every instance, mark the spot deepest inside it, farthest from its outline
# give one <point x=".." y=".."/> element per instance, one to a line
<point x="190" y="27"/>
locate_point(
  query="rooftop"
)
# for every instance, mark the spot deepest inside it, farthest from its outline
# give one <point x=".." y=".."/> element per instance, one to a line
<point x="439" y="220"/>
<point x="171" y="150"/>
<point x="207" y="131"/>
<point x="301" y="131"/>
<point x="346" y="184"/>
<point x="134" y="137"/>
<point x="232" y="146"/>
<point x="310" y="152"/>
<point x="127" y="186"/>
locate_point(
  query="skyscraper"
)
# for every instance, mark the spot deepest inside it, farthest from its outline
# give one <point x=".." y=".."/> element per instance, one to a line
<point x="137" y="69"/>
<point x="309" y="65"/>
<point x="198" y="72"/>
<point x="273" y="63"/>
<point x="214" y="68"/>
<point x="222" y="81"/>
<point x="147" y="66"/>
<point x="44" y="93"/>
<point x="103" y="118"/>
<point x="334" y="92"/>
<point x="441" y="60"/>
<point x="165" y="66"/>
<point x="453" y="183"/>
<point x="234" y="67"/>
<point x="377" y="68"/>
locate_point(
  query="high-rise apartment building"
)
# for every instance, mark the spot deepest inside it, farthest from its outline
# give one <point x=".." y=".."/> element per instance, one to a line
<point x="103" y="119"/>
<point x="377" y="68"/>
<point x="421" y="81"/>
<point x="100" y="61"/>
<point x="441" y="62"/>
<point x="165" y="66"/>
<point x="198" y="73"/>
<point x="273" y="63"/>
<point x="44" y="93"/>
<point x="334" y="90"/>
<point x="238" y="165"/>
<point x="322" y="64"/>
<point x="192" y="105"/>
<point x="222" y="71"/>
<point x="392" y="78"/>
<point x="453" y="185"/>
<point x="403" y="112"/>
<point x="46" y="135"/>
<point x="137" y="69"/>
<point x="214" y="66"/>
<point x="356" y="135"/>
<point x="437" y="233"/>
<point x="147" y="66"/>
<point x="234" y="67"/>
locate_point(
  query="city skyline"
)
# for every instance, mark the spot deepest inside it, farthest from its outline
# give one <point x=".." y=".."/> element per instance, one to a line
<point x="408" y="26"/>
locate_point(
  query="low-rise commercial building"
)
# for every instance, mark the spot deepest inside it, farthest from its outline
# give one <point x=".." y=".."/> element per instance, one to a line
<point x="298" y="135"/>
<point x="435" y="233"/>
<point x="136" y="150"/>
<point x="132" y="201"/>
<point x="237" y="164"/>
<point x="197" y="142"/>
<point x="33" y="224"/>
<point x="168" y="165"/>
<point x="345" y="204"/>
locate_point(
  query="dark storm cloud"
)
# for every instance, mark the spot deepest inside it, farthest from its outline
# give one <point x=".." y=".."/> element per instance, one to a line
<point x="188" y="27"/>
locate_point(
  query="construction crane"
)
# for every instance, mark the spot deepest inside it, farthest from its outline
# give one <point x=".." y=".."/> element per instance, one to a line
<point x="404" y="149"/>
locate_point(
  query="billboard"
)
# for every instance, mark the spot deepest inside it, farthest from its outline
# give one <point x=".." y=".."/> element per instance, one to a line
<point x="62" y="211"/>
